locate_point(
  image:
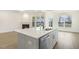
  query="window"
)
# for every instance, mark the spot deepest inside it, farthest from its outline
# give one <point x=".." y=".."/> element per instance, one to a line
<point x="50" y="22"/>
<point x="33" y="21"/>
<point x="64" y="21"/>
<point x="61" y="22"/>
<point x="38" y="21"/>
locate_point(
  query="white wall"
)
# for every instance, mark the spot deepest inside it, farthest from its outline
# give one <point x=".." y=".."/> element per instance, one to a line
<point x="9" y="20"/>
<point x="75" y="20"/>
<point x="29" y="14"/>
<point x="50" y="14"/>
<point x="55" y="14"/>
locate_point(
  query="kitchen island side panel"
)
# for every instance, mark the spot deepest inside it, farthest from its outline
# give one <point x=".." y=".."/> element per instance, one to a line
<point x="27" y="42"/>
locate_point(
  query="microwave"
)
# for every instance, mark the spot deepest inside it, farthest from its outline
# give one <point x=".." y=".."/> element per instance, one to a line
<point x="25" y="26"/>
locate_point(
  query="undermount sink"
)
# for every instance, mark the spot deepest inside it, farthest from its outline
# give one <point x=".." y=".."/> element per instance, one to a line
<point x="47" y="29"/>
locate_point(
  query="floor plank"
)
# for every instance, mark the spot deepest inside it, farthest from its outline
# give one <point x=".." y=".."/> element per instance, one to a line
<point x="8" y="40"/>
<point x="67" y="40"/>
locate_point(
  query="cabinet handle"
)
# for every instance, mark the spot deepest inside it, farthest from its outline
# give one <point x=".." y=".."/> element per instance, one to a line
<point x="45" y="38"/>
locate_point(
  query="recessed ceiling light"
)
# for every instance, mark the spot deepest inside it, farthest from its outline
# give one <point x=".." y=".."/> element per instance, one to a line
<point x="25" y="15"/>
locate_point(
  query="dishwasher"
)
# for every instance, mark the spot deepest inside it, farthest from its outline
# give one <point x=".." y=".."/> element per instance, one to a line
<point x="45" y="42"/>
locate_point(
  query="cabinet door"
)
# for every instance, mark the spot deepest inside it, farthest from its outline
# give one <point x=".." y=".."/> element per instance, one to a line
<point x="56" y="35"/>
<point x="53" y="38"/>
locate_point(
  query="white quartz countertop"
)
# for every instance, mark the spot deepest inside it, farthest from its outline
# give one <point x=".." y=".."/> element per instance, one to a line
<point x="32" y="32"/>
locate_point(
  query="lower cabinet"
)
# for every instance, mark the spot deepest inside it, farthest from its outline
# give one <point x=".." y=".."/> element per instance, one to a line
<point x="26" y="42"/>
<point x="48" y="41"/>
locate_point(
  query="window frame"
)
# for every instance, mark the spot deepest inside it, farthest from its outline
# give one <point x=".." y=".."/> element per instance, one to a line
<point x="65" y="23"/>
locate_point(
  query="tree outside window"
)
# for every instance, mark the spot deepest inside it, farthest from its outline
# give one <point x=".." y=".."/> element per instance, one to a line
<point x="65" y="21"/>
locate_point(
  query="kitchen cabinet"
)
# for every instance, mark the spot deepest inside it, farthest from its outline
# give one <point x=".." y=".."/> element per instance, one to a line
<point x="26" y="42"/>
<point x="32" y="39"/>
<point x="54" y="37"/>
<point x="48" y="41"/>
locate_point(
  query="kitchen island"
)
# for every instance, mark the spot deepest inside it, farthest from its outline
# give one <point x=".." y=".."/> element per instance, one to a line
<point x="36" y="39"/>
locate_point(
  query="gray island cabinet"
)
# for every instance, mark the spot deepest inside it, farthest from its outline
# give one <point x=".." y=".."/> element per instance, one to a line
<point x="33" y="39"/>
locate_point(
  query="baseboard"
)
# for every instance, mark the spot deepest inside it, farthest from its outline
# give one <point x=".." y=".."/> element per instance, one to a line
<point x="68" y="31"/>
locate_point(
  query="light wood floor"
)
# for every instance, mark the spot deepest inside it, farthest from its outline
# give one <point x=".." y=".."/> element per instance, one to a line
<point x="67" y="40"/>
<point x="8" y="40"/>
